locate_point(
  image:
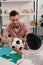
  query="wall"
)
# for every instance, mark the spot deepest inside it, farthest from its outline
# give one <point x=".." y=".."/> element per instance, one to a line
<point x="19" y="6"/>
<point x="40" y="12"/>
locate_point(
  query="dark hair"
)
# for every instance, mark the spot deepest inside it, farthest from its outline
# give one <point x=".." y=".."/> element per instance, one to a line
<point x="33" y="41"/>
<point x="0" y="39"/>
<point x="13" y="13"/>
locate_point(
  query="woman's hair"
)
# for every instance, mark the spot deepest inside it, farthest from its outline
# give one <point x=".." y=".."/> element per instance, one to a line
<point x="13" y="13"/>
<point x="33" y="41"/>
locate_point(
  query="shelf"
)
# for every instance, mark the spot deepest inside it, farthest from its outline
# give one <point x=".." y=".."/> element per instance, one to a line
<point x="20" y="6"/>
<point x="19" y="1"/>
<point x="22" y="14"/>
<point x="40" y="12"/>
<point x="32" y="26"/>
<point x="4" y="14"/>
<point x="3" y="27"/>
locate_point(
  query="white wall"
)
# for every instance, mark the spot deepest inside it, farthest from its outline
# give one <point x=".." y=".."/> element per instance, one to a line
<point x="19" y="6"/>
<point x="40" y="12"/>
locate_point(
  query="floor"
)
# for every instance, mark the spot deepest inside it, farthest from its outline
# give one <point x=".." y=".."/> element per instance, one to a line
<point x="35" y="56"/>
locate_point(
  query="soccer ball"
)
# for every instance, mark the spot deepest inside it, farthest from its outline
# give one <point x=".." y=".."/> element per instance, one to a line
<point x="17" y="43"/>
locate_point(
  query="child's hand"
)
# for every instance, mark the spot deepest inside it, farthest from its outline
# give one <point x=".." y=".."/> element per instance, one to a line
<point x="20" y="53"/>
<point x="17" y="50"/>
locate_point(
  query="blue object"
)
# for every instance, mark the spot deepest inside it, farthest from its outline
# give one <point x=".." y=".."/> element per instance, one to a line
<point x="5" y="50"/>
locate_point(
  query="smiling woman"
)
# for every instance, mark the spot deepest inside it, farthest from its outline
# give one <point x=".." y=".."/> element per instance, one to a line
<point x="14" y="21"/>
<point x="14" y="17"/>
<point x="15" y="28"/>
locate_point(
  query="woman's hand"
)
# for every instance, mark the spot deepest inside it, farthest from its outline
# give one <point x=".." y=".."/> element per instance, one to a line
<point x="23" y="39"/>
<point x="9" y="41"/>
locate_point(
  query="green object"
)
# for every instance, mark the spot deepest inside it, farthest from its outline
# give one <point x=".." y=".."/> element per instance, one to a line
<point x="13" y="57"/>
<point x="41" y="16"/>
<point x="5" y="56"/>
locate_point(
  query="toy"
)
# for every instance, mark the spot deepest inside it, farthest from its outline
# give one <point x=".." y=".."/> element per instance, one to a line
<point x="17" y="43"/>
<point x="33" y="23"/>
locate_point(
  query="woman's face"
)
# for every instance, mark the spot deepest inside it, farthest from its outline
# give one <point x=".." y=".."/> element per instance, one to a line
<point x="15" y="21"/>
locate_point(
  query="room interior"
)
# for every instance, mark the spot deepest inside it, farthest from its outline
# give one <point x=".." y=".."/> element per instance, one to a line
<point x="31" y="13"/>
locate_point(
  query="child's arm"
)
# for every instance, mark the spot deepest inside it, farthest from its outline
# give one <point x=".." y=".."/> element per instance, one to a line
<point x="19" y="52"/>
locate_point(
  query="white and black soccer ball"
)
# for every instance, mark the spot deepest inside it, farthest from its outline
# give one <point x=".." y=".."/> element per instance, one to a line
<point x="17" y="43"/>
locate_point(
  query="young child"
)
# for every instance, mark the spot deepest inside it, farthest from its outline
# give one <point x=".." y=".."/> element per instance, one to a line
<point x="33" y="41"/>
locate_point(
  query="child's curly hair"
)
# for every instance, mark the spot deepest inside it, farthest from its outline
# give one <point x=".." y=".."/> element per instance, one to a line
<point x="33" y="41"/>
